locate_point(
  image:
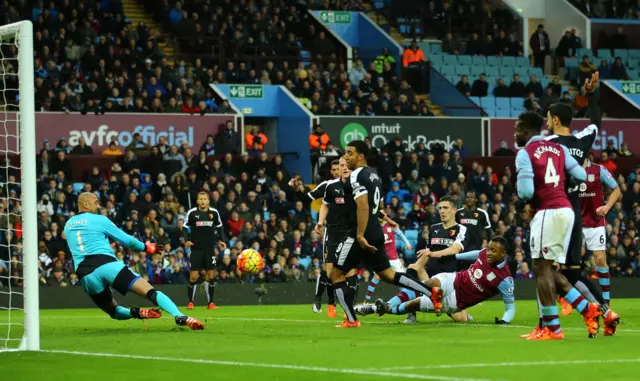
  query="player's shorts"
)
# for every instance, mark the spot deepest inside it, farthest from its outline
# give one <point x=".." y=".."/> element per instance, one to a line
<point x="396" y="265"/>
<point x="574" y="250"/>
<point x="113" y="274"/>
<point x="349" y="254"/>
<point x="550" y="234"/>
<point x="203" y="260"/>
<point x="449" y="301"/>
<point x="595" y="238"/>
<point x="330" y="244"/>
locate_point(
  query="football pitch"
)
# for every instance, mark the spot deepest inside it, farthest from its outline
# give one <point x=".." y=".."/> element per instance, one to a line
<point x="292" y="343"/>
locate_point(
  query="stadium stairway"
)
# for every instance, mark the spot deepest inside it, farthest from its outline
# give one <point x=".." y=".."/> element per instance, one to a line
<point x="137" y="14"/>
<point x="382" y="22"/>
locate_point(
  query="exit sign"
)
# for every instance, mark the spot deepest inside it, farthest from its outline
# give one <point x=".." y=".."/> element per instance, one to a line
<point x="245" y="91"/>
<point x="631" y="87"/>
<point x="329" y="17"/>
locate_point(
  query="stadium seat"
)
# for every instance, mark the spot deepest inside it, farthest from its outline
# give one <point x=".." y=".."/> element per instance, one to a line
<point x="494" y="61"/>
<point x="305" y="262"/>
<point x="489" y="101"/>
<point x="78" y="187"/>
<point x="411" y="235"/>
<point x="491" y="71"/>
<point x="449" y="59"/>
<point x="503" y="104"/>
<point x="476" y="71"/>
<point x="634" y="53"/>
<point x="507" y="73"/>
<point x="378" y="4"/>
<point x="622" y="53"/>
<point x="508" y="61"/>
<point x="523" y="72"/>
<point x="463" y="70"/>
<point x="464" y="60"/>
<point x="476" y="100"/>
<point x="570" y="62"/>
<point x="522" y="62"/>
<point x="503" y="113"/>
<point x="516" y="102"/>
<point x="314" y="215"/>
<point x="404" y="28"/>
<point x="436" y="58"/>
<point x="537" y="72"/>
<point x="516" y="113"/>
<point x="436" y="48"/>
<point x="604" y="53"/>
<point x="453" y="79"/>
<point x="479" y="61"/>
<point x="583" y="52"/>
<point x="408" y="206"/>
<point x="491" y="87"/>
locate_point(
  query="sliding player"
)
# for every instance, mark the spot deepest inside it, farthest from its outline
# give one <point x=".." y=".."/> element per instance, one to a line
<point x="541" y="168"/>
<point x="389" y="232"/>
<point x="99" y="270"/>
<point x="486" y="277"/>
<point x="593" y="228"/>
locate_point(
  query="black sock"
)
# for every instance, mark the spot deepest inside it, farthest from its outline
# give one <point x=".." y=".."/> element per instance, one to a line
<point x="191" y="289"/>
<point x="210" y="286"/>
<point x="320" y="286"/>
<point x="345" y="298"/>
<point x="404" y="280"/>
<point x="331" y="294"/>
<point x="575" y="277"/>
<point x="352" y="282"/>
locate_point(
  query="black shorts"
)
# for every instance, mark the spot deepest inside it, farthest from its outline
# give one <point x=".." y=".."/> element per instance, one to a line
<point x="331" y="242"/>
<point x="203" y="260"/>
<point x="349" y="254"/>
<point x="574" y="251"/>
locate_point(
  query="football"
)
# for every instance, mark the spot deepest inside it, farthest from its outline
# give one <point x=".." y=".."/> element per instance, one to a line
<point x="250" y="261"/>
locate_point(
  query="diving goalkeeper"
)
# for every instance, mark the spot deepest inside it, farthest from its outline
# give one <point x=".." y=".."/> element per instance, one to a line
<point x="99" y="270"/>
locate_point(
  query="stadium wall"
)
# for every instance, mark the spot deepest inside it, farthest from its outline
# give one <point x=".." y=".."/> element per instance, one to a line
<point x="445" y="94"/>
<point x="99" y="130"/>
<point x="413" y="130"/>
<point x="245" y="294"/>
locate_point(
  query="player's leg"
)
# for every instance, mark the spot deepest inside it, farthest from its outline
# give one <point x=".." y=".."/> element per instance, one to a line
<point x="96" y="285"/>
<point x="143" y="288"/>
<point x="211" y="273"/>
<point x="596" y="241"/>
<point x="329" y="259"/>
<point x="371" y="288"/>
<point x="320" y="287"/>
<point x="352" y="282"/>
<point x="347" y="257"/>
<point x="404" y="295"/>
<point x="443" y="286"/>
<point x="197" y="264"/>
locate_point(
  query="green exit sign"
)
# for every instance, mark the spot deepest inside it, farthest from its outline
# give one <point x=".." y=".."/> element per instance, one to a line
<point x="631" y="87"/>
<point x="245" y="91"/>
<point x="329" y="17"/>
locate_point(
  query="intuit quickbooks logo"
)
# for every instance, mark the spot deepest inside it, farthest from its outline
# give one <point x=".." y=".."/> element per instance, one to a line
<point x="351" y="132"/>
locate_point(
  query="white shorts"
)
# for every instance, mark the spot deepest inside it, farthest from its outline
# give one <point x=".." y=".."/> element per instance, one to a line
<point x="595" y="238"/>
<point x="550" y="234"/>
<point x="396" y="265"/>
<point x="449" y="301"/>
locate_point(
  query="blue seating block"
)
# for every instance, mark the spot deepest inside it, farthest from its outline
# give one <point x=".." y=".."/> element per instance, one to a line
<point x="506" y="72"/>
<point x="503" y="113"/>
<point x="464" y="60"/>
<point x="622" y="53"/>
<point x="479" y="60"/>
<point x="494" y="61"/>
<point x="503" y="103"/>
<point x="449" y="59"/>
<point x="475" y="100"/>
<point x="508" y="61"/>
<point x="463" y="70"/>
<point x="488" y="102"/>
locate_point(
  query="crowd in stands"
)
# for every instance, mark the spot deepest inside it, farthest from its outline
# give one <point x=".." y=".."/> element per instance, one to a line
<point x="148" y="196"/>
<point x="613" y="9"/>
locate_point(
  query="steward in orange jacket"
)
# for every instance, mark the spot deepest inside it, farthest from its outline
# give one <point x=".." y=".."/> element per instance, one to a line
<point x="255" y="137"/>
<point x="412" y="54"/>
<point x="318" y="139"/>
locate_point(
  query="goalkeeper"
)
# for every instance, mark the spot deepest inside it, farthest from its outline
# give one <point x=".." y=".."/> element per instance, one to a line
<point x="98" y="268"/>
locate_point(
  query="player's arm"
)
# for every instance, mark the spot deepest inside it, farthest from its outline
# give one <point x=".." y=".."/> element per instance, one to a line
<point x="572" y="167"/>
<point x="317" y="192"/>
<point x="383" y="216"/>
<point x="595" y="111"/>
<point x="610" y="182"/>
<point x="524" y="169"/>
<point x="403" y="238"/>
<point x="488" y="233"/>
<point x="111" y="230"/>
<point x="506" y="288"/>
<point x="322" y="216"/>
<point x="220" y="230"/>
<point x="468" y="256"/>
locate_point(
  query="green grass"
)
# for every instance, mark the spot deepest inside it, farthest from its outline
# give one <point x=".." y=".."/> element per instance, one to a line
<point x="277" y="339"/>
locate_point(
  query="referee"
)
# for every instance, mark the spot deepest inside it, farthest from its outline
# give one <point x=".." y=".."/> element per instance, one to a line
<point x="206" y="231"/>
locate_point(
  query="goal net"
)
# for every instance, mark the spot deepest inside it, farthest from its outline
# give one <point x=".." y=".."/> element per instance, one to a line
<point x="19" y="311"/>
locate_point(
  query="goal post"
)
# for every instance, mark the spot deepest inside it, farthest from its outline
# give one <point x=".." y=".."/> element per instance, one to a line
<point x="18" y="133"/>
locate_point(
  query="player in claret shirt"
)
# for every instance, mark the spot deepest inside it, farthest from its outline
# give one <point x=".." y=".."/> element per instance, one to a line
<point x="591" y="195"/>
<point x="487" y="276"/>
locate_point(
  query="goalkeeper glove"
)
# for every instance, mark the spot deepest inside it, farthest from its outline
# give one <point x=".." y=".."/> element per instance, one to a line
<point x="149" y="248"/>
<point x="500" y="321"/>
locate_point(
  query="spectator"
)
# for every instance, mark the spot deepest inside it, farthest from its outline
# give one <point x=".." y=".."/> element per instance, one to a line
<point x="540" y="45"/>
<point x="548" y="99"/>
<point x="581" y="103"/>
<point x="112" y="150"/>
<point x="318" y="140"/>
<point x="401" y="194"/>
<point x="524" y="273"/>
<point x="450" y="45"/>
<point x="606" y="162"/>
<point x="413" y="63"/>
<point x="357" y="73"/>
<point x="504" y="150"/>
<point x="501" y="90"/>
<point x="566" y="47"/>
<point x="463" y="86"/>
<point x="534" y="86"/>
<point x="618" y="71"/>
<point x="82" y="148"/>
<point x="586" y="68"/>
<point x="61" y="164"/>
<point x="255" y="139"/>
<point x="517" y="89"/>
<point x="480" y="87"/>
<point x="383" y="59"/>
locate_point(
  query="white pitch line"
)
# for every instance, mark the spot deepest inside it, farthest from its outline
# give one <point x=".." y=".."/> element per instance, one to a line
<point x="511" y="364"/>
<point x="272" y="366"/>
<point x="284" y="320"/>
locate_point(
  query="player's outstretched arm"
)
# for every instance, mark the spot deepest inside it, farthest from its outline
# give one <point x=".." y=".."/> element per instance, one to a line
<point x="595" y="111"/>
<point x="573" y="167"/>
<point x="506" y="288"/>
<point x="524" y="169"/>
<point x="110" y="229"/>
<point x="468" y="256"/>
<point x="403" y="238"/>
